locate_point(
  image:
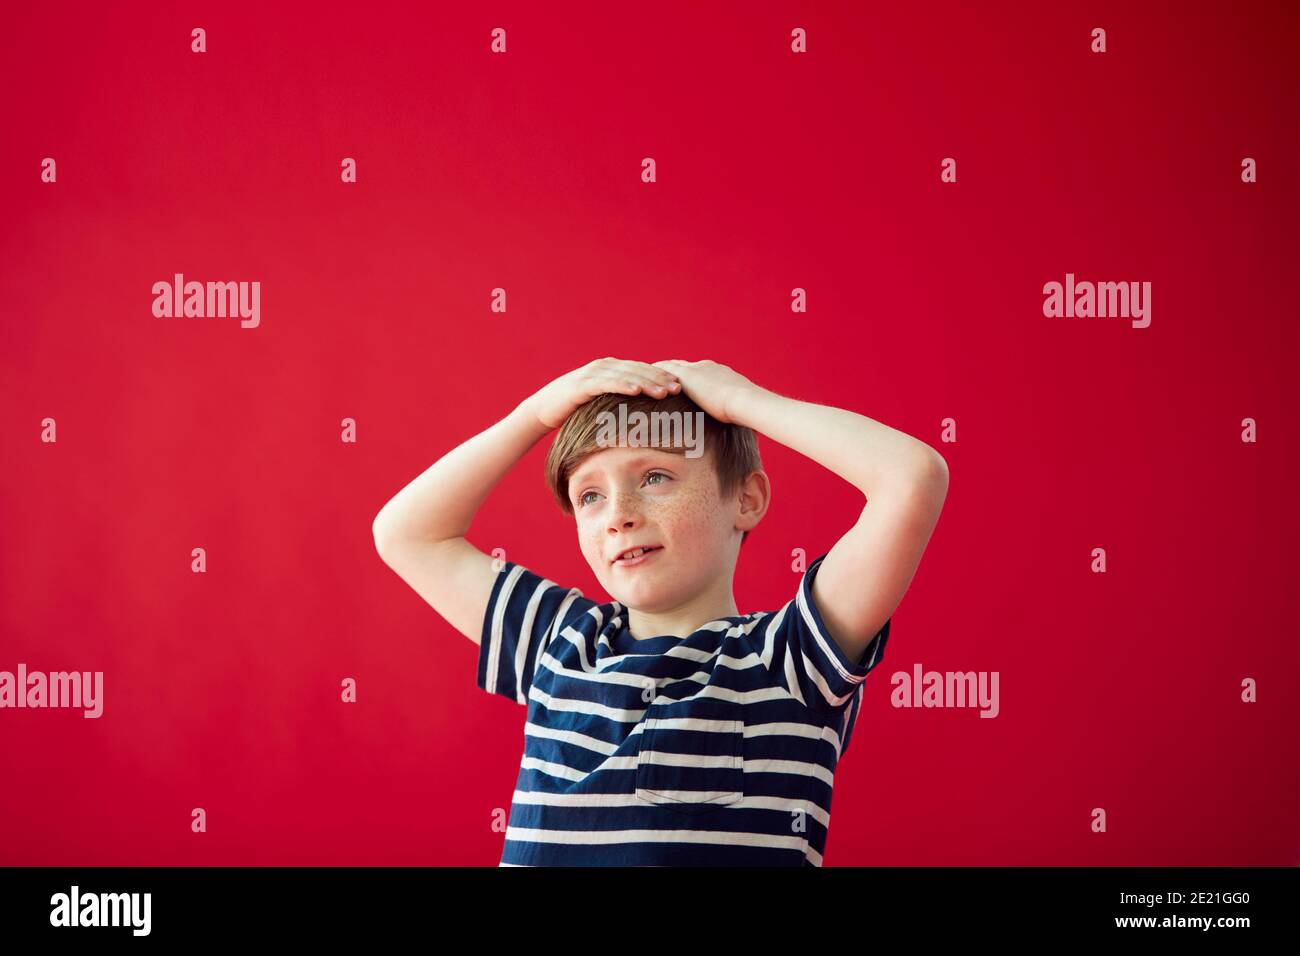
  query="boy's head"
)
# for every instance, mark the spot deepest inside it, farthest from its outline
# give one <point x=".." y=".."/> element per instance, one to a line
<point x="694" y="497"/>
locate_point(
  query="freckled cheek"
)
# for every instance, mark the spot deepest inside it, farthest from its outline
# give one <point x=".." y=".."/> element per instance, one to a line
<point x="689" y="514"/>
<point x="590" y="537"/>
<point x="692" y="513"/>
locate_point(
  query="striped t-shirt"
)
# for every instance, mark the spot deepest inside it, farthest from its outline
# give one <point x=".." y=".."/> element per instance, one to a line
<point x="714" y="749"/>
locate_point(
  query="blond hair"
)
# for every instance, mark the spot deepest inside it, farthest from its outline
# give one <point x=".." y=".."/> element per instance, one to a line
<point x="734" y="447"/>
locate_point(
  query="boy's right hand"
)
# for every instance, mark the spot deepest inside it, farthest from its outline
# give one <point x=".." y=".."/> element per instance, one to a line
<point x="555" y="402"/>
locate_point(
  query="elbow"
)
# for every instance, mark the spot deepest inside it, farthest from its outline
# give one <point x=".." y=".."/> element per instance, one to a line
<point x="930" y="474"/>
<point x="382" y="534"/>
<point x="934" y="479"/>
<point x="937" y="469"/>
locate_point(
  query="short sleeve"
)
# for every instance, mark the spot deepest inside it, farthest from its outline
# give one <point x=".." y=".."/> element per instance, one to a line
<point x="802" y="656"/>
<point x="524" y="614"/>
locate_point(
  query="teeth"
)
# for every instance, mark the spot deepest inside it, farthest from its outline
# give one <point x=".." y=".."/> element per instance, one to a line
<point x="633" y="554"/>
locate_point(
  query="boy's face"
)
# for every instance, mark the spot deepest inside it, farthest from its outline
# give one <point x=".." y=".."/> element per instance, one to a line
<point x="629" y="497"/>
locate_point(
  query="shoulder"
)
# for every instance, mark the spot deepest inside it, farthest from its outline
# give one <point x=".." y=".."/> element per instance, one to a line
<point x="521" y="595"/>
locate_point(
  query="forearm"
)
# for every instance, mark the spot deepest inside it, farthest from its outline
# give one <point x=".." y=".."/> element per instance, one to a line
<point x="869" y="455"/>
<point x="442" y="501"/>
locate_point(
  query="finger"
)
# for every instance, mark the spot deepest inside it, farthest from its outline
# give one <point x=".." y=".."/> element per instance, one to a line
<point x="653" y="384"/>
<point x="632" y="383"/>
<point x="613" y="369"/>
<point x="654" y="375"/>
<point x="653" y="370"/>
<point x="669" y="372"/>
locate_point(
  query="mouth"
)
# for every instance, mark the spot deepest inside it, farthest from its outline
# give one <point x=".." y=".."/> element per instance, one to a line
<point x="635" y="556"/>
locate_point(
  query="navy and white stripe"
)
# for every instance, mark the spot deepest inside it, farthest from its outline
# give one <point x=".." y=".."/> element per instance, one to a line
<point x="718" y="748"/>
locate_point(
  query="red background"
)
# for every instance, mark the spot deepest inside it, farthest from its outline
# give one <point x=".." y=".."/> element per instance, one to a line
<point x="775" y="170"/>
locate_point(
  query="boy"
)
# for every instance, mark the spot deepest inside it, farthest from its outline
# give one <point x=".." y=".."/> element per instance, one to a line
<point x="664" y="727"/>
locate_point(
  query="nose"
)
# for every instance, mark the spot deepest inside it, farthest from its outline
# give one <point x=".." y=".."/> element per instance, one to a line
<point x="624" y="512"/>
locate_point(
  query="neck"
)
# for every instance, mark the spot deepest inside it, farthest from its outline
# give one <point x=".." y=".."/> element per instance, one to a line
<point x="686" y="618"/>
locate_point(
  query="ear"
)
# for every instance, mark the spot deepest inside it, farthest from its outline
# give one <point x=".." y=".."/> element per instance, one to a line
<point x="753" y="497"/>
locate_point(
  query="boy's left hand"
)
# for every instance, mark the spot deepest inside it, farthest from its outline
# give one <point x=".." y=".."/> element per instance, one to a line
<point x="716" y="388"/>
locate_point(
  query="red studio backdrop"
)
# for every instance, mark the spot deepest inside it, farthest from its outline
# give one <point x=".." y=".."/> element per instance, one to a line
<point x="1163" y="690"/>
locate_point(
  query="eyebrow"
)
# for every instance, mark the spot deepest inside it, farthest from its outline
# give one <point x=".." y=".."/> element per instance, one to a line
<point x="636" y="462"/>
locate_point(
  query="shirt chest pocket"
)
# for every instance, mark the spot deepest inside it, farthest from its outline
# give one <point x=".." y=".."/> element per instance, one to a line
<point x="691" y="757"/>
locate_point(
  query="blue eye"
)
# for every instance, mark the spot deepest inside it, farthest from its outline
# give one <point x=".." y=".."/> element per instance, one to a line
<point x="582" y="499"/>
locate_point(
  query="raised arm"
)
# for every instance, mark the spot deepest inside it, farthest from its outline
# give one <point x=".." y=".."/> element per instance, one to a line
<point x="905" y="481"/>
<point x="420" y="532"/>
<point x="869" y="569"/>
